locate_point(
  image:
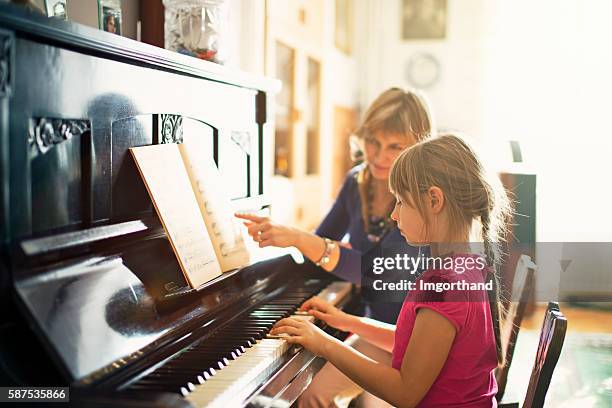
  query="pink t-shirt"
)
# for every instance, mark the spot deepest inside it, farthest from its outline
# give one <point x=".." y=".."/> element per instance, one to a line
<point x="467" y="378"/>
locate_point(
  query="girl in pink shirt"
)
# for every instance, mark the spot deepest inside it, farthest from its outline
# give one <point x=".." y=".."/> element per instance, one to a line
<point x="446" y="344"/>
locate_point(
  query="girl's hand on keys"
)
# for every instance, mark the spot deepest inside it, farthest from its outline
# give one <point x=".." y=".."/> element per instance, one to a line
<point x="304" y="333"/>
<point x="328" y="313"/>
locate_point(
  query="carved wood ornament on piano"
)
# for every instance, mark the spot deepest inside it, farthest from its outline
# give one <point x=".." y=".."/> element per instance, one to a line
<point x="92" y="294"/>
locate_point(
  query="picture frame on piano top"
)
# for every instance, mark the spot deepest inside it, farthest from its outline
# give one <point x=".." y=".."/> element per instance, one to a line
<point x="109" y="16"/>
<point x="57" y="9"/>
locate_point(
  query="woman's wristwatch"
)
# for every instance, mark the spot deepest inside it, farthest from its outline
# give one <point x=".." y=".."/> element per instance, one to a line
<point x="326" y="257"/>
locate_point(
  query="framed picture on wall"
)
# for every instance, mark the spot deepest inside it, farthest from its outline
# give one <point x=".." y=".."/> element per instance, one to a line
<point x="109" y="16"/>
<point x="424" y="19"/>
<point x="56" y="8"/>
<point x="343" y="26"/>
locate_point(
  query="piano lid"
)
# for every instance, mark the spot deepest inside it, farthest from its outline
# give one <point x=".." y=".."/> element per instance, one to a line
<point x="99" y="313"/>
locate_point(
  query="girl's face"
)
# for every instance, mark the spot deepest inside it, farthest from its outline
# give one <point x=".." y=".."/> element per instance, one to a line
<point x="410" y="223"/>
<point x="382" y="149"/>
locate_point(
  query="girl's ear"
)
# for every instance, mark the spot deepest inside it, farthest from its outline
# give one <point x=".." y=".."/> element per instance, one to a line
<point x="436" y="199"/>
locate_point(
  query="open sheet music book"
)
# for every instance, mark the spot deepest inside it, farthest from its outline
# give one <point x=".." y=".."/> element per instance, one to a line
<point x="194" y="208"/>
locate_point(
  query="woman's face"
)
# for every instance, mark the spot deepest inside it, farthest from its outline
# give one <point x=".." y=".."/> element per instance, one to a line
<point x="382" y="149"/>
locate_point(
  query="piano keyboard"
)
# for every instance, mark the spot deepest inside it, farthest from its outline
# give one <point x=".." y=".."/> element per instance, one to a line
<point x="226" y="368"/>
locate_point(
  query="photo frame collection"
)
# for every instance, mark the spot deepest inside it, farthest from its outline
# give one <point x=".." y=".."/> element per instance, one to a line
<point x="109" y="13"/>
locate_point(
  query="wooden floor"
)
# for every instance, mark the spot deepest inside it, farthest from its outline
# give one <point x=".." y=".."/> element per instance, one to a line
<point x="578" y="319"/>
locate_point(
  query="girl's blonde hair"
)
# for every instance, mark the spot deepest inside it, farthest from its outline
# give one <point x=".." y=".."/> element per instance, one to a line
<point x="394" y="111"/>
<point x="450" y="164"/>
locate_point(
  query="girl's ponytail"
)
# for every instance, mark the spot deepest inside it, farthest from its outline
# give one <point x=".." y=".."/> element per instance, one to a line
<point x="491" y="256"/>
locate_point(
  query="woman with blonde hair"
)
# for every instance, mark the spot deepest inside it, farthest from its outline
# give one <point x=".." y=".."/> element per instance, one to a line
<point x="396" y="120"/>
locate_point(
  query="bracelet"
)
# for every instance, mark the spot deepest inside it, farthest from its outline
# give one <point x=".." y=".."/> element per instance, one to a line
<point x="329" y="247"/>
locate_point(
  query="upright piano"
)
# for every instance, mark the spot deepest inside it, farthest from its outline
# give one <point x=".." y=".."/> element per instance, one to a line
<point x="91" y="295"/>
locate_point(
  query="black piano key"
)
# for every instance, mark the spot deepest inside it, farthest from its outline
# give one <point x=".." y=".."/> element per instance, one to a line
<point x="169" y="384"/>
<point x="252" y="321"/>
<point x="276" y="308"/>
<point x="197" y="357"/>
<point x="251" y="335"/>
<point x="246" y="329"/>
<point x="261" y="312"/>
<point x="269" y="314"/>
<point x="218" y="347"/>
<point x="200" y="356"/>
<point x="174" y="378"/>
<point x="187" y="367"/>
<point x="276" y="317"/>
<point x="262" y="328"/>
<point x="260" y="320"/>
<point x="265" y="326"/>
<point x="229" y="352"/>
<point x="230" y="334"/>
<point x="178" y="372"/>
<point x="217" y="344"/>
<point x="292" y="302"/>
<point x="232" y="338"/>
<point x="243" y="333"/>
<point x="244" y="325"/>
<point x="178" y="376"/>
<point x="195" y="366"/>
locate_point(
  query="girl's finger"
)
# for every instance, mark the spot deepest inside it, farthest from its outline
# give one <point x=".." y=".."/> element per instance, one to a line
<point x="288" y="321"/>
<point x="295" y="340"/>
<point x="293" y="331"/>
<point x="310" y="303"/>
<point x="316" y="303"/>
<point x="319" y="315"/>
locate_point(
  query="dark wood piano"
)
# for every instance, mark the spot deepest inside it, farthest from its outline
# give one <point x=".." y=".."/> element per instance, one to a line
<point x="91" y="294"/>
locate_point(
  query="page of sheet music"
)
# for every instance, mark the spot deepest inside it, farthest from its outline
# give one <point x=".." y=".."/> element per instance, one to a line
<point x="214" y="200"/>
<point x="166" y="179"/>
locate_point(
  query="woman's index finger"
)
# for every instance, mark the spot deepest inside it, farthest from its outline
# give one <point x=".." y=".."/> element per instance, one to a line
<point x="250" y="217"/>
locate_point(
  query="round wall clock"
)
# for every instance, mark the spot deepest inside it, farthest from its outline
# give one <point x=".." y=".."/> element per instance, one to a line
<point x="423" y="70"/>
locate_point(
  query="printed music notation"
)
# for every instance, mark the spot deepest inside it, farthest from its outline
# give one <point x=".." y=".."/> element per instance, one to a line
<point x="214" y="200"/>
<point x="168" y="184"/>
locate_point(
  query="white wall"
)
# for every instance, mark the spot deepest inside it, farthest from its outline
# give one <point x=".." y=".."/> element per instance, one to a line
<point x="340" y="87"/>
<point x="548" y="84"/>
<point x="383" y="58"/>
